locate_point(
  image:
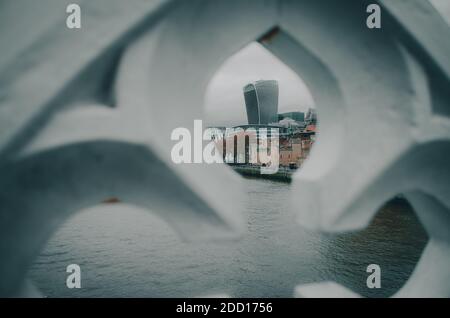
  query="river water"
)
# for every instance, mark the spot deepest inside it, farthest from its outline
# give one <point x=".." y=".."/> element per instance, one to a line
<point x="126" y="252"/>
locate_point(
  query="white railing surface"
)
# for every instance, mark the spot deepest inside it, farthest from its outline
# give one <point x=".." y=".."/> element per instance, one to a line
<point x="86" y="115"/>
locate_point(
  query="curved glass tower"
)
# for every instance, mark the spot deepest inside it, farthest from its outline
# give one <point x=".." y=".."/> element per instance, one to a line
<point x="261" y="102"/>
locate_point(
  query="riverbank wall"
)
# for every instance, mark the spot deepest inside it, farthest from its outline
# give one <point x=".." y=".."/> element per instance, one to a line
<point x="284" y="174"/>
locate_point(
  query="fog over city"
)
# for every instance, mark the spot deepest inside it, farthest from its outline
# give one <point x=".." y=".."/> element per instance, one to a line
<point x="224" y="100"/>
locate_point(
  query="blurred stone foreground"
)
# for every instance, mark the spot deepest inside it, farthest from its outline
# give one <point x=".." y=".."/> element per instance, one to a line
<point x="84" y="117"/>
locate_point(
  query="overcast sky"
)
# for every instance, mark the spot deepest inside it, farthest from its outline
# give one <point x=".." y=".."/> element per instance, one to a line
<point x="224" y="100"/>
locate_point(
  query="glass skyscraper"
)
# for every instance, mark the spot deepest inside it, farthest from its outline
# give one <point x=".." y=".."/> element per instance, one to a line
<point x="261" y="102"/>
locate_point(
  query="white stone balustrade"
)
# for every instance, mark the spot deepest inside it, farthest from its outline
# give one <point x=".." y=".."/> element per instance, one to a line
<point x="86" y="115"/>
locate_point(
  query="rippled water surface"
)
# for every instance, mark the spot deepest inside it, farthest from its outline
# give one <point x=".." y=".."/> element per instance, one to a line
<point x="125" y="252"/>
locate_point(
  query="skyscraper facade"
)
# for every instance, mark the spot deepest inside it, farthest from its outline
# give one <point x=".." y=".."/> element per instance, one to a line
<point x="261" y="102"/>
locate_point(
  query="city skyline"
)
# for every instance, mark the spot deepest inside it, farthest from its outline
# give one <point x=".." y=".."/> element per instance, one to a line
<point x="224" y="101"/>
